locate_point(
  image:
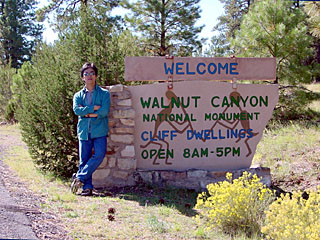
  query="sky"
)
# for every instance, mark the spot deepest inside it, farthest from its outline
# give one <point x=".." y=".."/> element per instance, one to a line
<point x="211" y="10"/>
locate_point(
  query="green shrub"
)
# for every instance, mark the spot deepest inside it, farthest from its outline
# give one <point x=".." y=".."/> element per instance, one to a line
<point x="293" y="102"/>
<point x="6" y="76"/>
<point x="43" y="93"/>
<point x="43" y="90"/>
<point x="10" y="110"/>
<point x="292" y="217"/>
<point x="236" y="205"/>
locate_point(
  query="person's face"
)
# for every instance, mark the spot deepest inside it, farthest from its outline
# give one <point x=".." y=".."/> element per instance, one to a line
<point x="89" y="76"/>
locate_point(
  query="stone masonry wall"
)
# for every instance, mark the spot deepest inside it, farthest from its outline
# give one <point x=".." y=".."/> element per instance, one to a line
<point x="119" y="167"/>
<point x="119" y="164"/>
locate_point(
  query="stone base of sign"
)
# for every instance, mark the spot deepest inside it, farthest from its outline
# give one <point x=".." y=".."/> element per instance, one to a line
<point x="198" y="179"/>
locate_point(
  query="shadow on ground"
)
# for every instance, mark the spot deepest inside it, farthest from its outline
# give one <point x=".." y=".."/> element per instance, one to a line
<point x="183" y="200"/>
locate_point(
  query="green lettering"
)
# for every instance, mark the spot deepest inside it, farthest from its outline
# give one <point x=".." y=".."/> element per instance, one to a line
<point x="222" y="116"/>
<point x="204" y="152"/>
<point x="195" y="153"/>
<point x="236" y="116"/>
<point x="243" y="116"/>
<point x="144" y="154"/>
<point x="186" y="153"/>
<point x="195" y="100"/>
<point x="155" y="103"/>
<point x="179" y="117"/>
<point x="225" y="102"/>
<point x="253" y="104"/>
<point x="161" y="154"/>
<point x="162" y="104"/>
<point x="219" y="151"/>
<point x="175" y="102"/>
<point x="244" y="101"/>
<point x="264" y="101"/>
<point x="193" y="119"/>
<point x="146" y="117"/>
<point x="153" y="152"/>
<point x="250" y="116"/>
<point x="145" y="103"/>
<point x="185" y="105"/>
<point x="170" y="153"/>
<point x="153" y="118"/>
<point x="234" y="101"/>
<point x="212" y="99"/>
<point x="207" y="116"/>
<point x="236" y="151"/>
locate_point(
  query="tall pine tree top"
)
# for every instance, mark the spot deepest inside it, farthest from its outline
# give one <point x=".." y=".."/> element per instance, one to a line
<point x="168" y="26"/>
<point x="19" y="32"/>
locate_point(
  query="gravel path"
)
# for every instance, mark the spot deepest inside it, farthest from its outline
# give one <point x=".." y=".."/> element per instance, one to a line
<point x="20" y="212"/>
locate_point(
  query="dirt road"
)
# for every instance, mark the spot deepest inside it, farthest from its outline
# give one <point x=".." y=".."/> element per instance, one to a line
<point x="20" y="213"/>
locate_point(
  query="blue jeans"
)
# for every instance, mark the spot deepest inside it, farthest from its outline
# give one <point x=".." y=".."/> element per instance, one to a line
<point x="88" y="162"/>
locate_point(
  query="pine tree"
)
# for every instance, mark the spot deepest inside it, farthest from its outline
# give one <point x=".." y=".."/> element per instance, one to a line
<point x="68" y="12"/>
<point x="19" y="32"/>
<point x="227" y="25"/>
<point x="6" y="76"/>
<point x="167" y="26"/>
<point x="279" y="29"/>
<point x="276" y="29"/>
<point x="313" y="11"/>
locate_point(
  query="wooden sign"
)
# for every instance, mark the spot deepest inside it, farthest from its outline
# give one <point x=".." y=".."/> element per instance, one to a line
<point x="200" y="125"/>
<point x="189" y="68"/>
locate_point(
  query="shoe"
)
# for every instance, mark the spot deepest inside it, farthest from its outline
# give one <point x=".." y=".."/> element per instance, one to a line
<point x="86" y="192"/>
<point x="75" y="185"/>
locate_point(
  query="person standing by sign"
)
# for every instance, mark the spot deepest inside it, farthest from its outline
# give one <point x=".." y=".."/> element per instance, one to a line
<point x="91" y="105"/>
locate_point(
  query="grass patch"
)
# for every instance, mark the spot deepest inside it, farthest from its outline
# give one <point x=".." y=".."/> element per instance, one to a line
<point x="315" y="105"/>
<point x="142" y="212"/>
<point x="293" y="153"/>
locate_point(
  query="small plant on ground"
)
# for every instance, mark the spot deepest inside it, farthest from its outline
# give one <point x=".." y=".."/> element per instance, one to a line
<point x="236" y="205"/>
<point x="292" y="217"/>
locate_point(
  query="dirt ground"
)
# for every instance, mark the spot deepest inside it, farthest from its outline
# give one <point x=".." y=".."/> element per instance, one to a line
<point x="45" y="225"/>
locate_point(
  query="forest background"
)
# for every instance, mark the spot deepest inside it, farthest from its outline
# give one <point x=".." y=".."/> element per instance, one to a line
<point x="38" y="79"/>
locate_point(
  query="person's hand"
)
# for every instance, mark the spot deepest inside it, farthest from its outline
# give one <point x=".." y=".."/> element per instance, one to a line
<point x="91" y="115"/>
<point x="96" y="107"/>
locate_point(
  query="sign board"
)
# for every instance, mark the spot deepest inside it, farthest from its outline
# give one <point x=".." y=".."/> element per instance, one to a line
<point x="188" y="68"/>
<point x="199" y="125"/>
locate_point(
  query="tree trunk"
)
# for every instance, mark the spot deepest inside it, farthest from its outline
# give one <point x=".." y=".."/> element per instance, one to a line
<point x="318" y="58"/>
<point x="162" y="50"/>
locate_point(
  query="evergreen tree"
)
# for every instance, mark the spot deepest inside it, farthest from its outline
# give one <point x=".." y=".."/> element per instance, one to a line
<point x="227" y="25"/>
<point x="67" y="12"/>
<point x="19" y="31"/>
<point x="275" y="29"/>
<point x="43" y="91"/>
<point x="6" y="78"/>
<point x="313" y="11"/>
<point x="167" y="26"/>
<point x="278" y="29"/>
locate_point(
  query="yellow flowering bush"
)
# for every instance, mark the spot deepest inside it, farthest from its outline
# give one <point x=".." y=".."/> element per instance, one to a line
<point x="295" y="218"/>
<point x="235" y="205"/>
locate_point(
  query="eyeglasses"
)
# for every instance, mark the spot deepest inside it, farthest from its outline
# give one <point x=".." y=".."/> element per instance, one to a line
<point x="89" y="74"/>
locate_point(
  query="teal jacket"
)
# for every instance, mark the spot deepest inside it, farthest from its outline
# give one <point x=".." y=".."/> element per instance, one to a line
<point x="99" y="125"/>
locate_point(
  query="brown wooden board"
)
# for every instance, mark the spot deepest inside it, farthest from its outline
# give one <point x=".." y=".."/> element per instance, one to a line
<point x="194" y="68"/>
